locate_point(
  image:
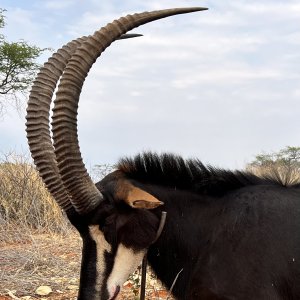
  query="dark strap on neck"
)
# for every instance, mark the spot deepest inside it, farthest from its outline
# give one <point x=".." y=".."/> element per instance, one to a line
<point x="144" y="263"/>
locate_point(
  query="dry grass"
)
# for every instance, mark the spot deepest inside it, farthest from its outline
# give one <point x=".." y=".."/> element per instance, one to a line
<point x="36" y="239"/>
<point x="45" y="259"/>
<point x="286" y="174"/>
<point x="25" y="204"/>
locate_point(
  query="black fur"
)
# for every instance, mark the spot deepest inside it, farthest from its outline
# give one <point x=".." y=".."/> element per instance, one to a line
<point x="234" y="235"/>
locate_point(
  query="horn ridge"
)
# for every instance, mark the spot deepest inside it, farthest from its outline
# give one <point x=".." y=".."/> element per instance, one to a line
<point x="37" y="125"/>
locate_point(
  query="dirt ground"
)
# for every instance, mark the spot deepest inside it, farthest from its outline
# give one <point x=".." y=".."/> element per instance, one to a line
<point x="54" y="261"/>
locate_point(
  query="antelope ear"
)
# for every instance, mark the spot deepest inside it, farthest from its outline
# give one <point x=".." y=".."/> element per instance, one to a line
<point x="137" y="198"/>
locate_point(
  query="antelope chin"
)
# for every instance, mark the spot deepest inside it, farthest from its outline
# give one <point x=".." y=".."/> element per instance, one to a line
<point x="116" y="293"/>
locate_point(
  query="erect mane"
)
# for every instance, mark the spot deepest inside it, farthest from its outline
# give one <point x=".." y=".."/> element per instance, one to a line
<point x="174" y="171"/>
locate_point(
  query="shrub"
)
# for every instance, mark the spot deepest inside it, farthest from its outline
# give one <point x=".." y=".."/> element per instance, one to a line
<point x="24" y="200"/>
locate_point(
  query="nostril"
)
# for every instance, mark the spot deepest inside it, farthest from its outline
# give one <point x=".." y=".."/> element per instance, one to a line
<point x="117" y="290"/>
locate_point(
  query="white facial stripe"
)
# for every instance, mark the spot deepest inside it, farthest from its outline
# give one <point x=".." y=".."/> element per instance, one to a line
<point x="102" y="245"/>
<point x="126" y="261"/>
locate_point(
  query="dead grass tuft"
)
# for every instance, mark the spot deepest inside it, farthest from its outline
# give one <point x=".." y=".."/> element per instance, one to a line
<point x="286" y="174"/>
<point x="25" y="203"/>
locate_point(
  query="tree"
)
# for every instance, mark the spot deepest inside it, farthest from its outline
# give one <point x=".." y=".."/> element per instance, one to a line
<point x="2" y="23"/>
<point x="284" y="164"/>
<point x="17" y="68"/>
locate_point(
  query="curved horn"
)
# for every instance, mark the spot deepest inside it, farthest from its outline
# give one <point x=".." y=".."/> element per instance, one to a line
<point x="84" y="194"/>
<point x="37" y="125"/>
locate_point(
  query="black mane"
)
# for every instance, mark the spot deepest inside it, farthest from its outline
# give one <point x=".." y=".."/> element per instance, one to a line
<point x="174" y="171"/>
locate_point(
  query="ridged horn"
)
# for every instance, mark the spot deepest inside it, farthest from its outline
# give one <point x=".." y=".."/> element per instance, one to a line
<point x="84" y="194"/>
<point x="37" y="125"/>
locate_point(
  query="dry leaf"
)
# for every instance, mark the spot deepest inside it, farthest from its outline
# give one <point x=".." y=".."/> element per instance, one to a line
<point x="43" y="290"/>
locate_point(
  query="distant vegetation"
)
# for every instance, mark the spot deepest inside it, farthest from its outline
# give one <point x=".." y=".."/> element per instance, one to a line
<point x="18" y="68"/>
<point x="284" y="164"/>
<point x="24" y="201"/>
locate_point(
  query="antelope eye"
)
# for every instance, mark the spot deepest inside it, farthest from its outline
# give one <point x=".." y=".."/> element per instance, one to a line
<point x="109" y="231"/>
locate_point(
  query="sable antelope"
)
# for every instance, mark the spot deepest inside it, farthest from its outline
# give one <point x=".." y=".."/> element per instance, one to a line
<point x="228" y="235"/>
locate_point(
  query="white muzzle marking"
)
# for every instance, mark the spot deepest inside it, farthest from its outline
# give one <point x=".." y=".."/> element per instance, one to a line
<point x="126" y="261"/>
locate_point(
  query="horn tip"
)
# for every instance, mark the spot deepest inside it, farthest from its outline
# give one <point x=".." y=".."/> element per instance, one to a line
<point x="129" y="36"/>
<point x="198" y="8"/>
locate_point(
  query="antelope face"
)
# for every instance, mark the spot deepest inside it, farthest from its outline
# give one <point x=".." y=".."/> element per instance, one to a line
<point x="115" y="237"/>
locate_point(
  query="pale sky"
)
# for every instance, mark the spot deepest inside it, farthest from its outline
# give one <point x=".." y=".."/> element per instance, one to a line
<point x="221" y="85"/>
